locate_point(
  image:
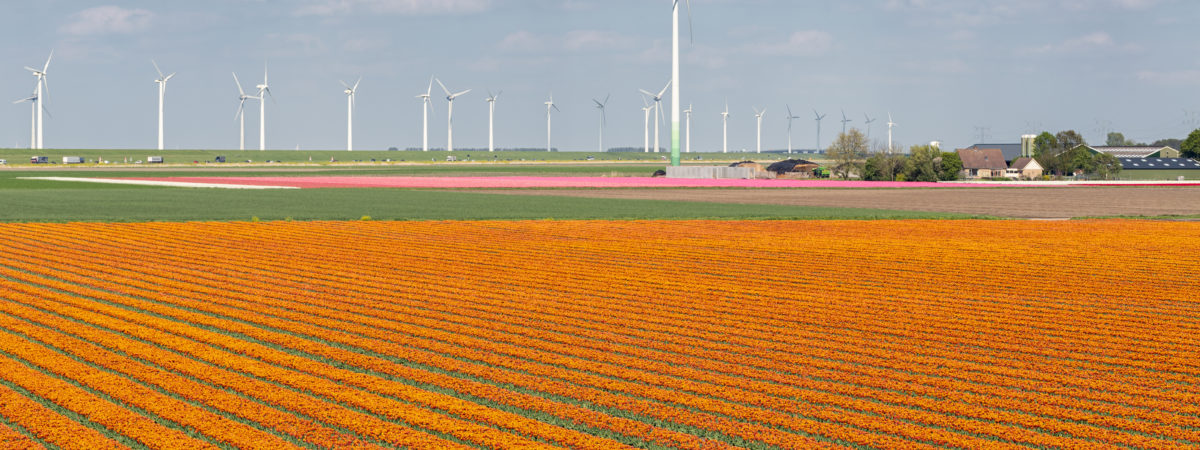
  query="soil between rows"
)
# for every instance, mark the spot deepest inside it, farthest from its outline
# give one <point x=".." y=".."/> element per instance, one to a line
<point x="1067" y="202"/>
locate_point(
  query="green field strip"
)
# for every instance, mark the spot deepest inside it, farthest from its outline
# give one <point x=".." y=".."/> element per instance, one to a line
<point x="702" y="433"/>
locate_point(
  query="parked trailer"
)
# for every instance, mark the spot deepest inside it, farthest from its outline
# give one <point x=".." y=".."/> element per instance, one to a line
<point x="39" y="160"/>
<point x="72" y="160"/>
<point x="154" y="160"/>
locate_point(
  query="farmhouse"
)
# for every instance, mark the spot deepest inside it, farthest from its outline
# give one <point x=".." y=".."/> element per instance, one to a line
<point x="983" y="163"/>
<point x="1159" y="169"/>
<point x="1141" y="151"/>
<point x="1010" y="151"/>
<point x="1025" y="169"/>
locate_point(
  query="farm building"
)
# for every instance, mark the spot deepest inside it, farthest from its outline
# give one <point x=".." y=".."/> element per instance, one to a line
<point x="1025" y="169"/>
<point x="1159" y="169"/>
<point x="983" y="163"/>
<point x="1141" y="151"/>
<point x="1010" y="151"/>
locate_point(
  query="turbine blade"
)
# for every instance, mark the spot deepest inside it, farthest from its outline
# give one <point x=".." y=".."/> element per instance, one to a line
<point x="789" y="110"/>
<point x="691" y="29"/>
<point x="31" y="69"/>
<point x="606" y="97"/>
<point x="160" y="74"/>
<point x="169" y="77"/>
<point x="643" y="91"/>
<point x="439" y="82"/>
<point x="47" y="66"/>
<point x="664" y="90"/>
<point x="461" y="93"/>
<point x="241" y="91"/>
<point x="429" y="90"/>
<point x="344" y="84"/>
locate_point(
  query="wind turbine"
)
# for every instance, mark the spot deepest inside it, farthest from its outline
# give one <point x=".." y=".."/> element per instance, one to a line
<point x="491" y="100"/>
<point x="33" y="118"/>
<point x="819" y="118"/>
<point x="890" y="125"/>
<point x="603" y="118"/>
<point x="40" y="92"/>
<point x="688" y="127"/>
<point x="162" y="94"/>
<point x="790" y="118"/>
<point x="646" y="108"/>
<point x="675" y="77"/>
<point x="549" y="104"/>
<point x="264" y="90"/>
<point x="350" y="92"/>
<point x="450" y="114"/>
<point x="869" y="121"/>
<point x="658" y="113"/>
<point x="844" y="121"/>
<point x="426" y="105"/>
<point x="759" y="115"/>
<point x="241" y="112"/>
<point x="725" y="129"/>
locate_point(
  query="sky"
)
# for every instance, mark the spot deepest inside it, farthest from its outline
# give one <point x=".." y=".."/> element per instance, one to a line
<point x="954" y="71"/>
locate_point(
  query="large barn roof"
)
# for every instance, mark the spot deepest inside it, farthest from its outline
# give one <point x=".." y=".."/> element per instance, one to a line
<point x="1158" y="163"/>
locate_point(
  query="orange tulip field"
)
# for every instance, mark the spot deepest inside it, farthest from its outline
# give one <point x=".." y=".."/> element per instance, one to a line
<point x="601" y="334"/>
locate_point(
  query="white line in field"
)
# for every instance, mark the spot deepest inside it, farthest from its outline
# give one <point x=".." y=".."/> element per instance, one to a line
<point x="157" y="183"/>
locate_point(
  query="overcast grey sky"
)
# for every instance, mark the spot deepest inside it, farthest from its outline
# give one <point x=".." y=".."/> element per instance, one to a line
<point x="942" y="67"/>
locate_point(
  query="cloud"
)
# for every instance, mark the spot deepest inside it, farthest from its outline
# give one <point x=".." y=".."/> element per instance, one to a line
<point x="1098" y="41"/>
<point x="572" y="41"/>
<point x="800" y="43"/>
<point x="108" y="20"/>
<point x="402" y="7"/>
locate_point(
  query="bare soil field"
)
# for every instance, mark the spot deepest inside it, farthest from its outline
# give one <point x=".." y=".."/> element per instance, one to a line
<point x="1067" y="202"/>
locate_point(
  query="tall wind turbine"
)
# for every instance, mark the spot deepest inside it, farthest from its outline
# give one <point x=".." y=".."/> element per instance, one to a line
<point x="890" y="125"/>
<point x="162" y="94"/>
<point x="350" y="93"/>
<point x="790" y="118"/>
<point x="549" y="104"/>
<point x="869" y="121"/>
<point x="264" y="90"/>
<point x="819" y="118"/>
<point x="725" y="129"/>
<point x="40" y="92"/>
<point x="646" y="108"/>
<point x="687" y="113"/>
<point x="241" y="112"/>
<point x="658" y="113"/>
<point x="33" y="118"/>
<point x="603" y="118"/>
<point x="675" y="77"/>
<point x="426" y="105"/>
<point x="759" y="115"/>
<point x="450" y="114"/>
<point x="844" y="121"/>
<point x="491" y="100"/>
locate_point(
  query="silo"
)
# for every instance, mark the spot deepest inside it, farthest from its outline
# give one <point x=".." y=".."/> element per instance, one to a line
<point x="1027" y="145"/>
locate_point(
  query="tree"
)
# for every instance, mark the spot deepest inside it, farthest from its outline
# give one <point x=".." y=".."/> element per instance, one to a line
<point x="1069" y="139"/>
<point x="1116" y="139"/>
<point x="882" y="166"/>
<point x="1173" y="143"/>
<point x="1191" y="146"/>
<point x="1043" y="143"/>
<point x="1106" y="165"/>
<point x="847" y="153"/>
<point x="923" y="164"/>
<point x="951" y="166"/>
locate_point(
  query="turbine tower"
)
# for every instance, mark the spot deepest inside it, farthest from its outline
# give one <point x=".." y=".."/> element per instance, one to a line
<point x="241" y="112"/>
<point x="687" y="113"/>
<point x="603" y="118"/>
<point x="790" y="118"/>
<point x="725" y="129"/>
<point x="759" y="115"/>
<point x="426" y="105"/>
<point x="549" y="104"/>
<point x="450" y="114"/>
<point x="350" y="92"/>
<point x="675" y="78"/>
<point x="33" y="118"/>
<point x="819" y="118"/>
<point x="658" y="114"/>
<point x="40" y="91"/>
<point x="844" y="121"/>
<point x="264" y="90"/>
<point x="646" y="108"/>
<point x="890" y="125"/>
<point x="491" y="100"/>
<point x="869" y="121"/>
<point x="162" y="94"/>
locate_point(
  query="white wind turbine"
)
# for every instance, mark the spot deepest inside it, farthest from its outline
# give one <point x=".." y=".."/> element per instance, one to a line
<point x="241" y="112"/>
<point x="646" y="108"/>
<point x="759" y="116"/>
<point x="603" y="118"/>
<point x="819" y="118"/>
<point x="33" y="118"/>
<point x="264" y="90"/>
<point x="790" y="118"/>
<point x="844" y="121"/>
<point x="350" y="93"/>
<point x="162" y="94"/>
<point x="658" y="112"/>
<point x="688" y="127"/>
<point x="550" y="104"/>
<point x="869" y="121"/>
<point x="426" y="106"/>
<point x="725" y="129"/>
<point x="40" y="92"/>
<point x="675" y="78"/>
<point x="491" y="100"/>
<point x="450" y="114"/>
<point x="890" y="125"/>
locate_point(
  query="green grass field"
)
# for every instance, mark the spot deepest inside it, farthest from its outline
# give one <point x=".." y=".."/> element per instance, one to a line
<point x="199" y="157"/>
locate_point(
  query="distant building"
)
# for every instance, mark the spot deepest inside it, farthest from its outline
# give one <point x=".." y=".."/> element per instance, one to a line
<point x="1010" y="151"/>
<point x="1143" y="151"/>
<point x="984" y="163"/>
<point x="1025" y="168"/>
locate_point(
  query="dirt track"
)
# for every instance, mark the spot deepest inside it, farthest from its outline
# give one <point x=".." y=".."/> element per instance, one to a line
<point x="1007" y="202"/>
